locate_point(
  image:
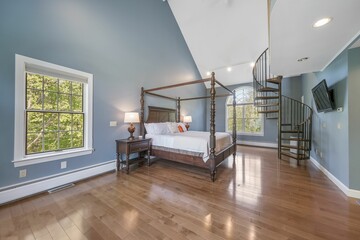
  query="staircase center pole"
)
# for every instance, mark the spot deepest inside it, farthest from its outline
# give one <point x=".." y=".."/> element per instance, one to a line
<point x="279" y="122"/>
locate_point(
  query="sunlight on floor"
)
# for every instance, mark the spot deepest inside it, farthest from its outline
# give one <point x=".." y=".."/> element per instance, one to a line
<point x="247" y="171"/>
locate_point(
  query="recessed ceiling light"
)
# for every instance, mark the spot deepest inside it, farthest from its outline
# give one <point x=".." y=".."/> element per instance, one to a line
<point x="229" y="69"/>
<point x="208" y="73"/>
<point x="302" y="59"/>
<point x="252" y="64"/>
<point x="322" y="22"/>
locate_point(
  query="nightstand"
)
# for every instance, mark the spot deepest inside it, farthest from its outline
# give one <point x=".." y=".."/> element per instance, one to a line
<point x="126" y="146"/>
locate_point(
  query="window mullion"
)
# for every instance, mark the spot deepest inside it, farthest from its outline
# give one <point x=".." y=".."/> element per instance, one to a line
<point x="43" y="115"/>
<point x="58" y="114"/>
<point x="58" y="131"/>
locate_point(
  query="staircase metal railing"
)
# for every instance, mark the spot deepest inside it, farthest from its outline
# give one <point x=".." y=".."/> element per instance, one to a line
<point x="297" y="116"/>
<point x="266" y="101"/>
<point x="294" y="117"/>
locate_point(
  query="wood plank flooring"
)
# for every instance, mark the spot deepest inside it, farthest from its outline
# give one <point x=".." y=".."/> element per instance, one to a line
<point x="254" y="197"/>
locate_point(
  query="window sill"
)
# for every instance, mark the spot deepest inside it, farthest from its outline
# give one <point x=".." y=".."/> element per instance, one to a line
<point x="48" y="157"/>
<point x="248" y="134"/>
<point x="251" y="134"/>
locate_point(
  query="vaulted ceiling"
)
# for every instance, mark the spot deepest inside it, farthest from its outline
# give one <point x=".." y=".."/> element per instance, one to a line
<point x="233" y="33"/>
<point x="222" y="34"/>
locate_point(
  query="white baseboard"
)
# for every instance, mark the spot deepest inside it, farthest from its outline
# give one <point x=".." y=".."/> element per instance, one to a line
<point x="257" y="144"/>
<point x="17" y="191"/>
<point x="348" y="192"/>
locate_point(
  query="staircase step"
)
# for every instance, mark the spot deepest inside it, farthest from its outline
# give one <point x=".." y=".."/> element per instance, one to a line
<point x="290" y="131"/>
<point x="294" y="147"/>
<point x="295" y="139"/>
<point x="268" y="111"/>
<point x="266" y="97"/>
<point x="267" y="105"/>
<point x="267" y="89"/>
<point x="286" y="124"/>
<point x="294" y="155"/>
<point x="272" y="117"/>
<point x="275" y="80"/>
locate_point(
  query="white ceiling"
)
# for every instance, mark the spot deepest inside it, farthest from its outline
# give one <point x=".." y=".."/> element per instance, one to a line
<point x="292" y="35"/>
<point x="222" y="33"/>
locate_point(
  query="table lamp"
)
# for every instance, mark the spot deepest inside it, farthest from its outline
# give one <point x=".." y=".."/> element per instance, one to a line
<point x="131" y="117"/>
<point x="187" y="120"/>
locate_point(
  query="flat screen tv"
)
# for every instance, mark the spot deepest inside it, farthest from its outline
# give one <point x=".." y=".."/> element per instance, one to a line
<point x="324" y="99"/>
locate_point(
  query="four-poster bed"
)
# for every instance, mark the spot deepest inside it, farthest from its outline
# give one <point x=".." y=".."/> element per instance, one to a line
<point x="156" y="114"/>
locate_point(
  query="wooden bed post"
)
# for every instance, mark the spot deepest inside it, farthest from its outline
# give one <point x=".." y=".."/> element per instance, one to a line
<point x="178" y="109"/>
<point x="142" y="130"/>
<point x="212" y="128"/>
<point x="234" y="122"/>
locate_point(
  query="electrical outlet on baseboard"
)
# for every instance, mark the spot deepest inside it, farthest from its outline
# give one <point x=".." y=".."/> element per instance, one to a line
<point x="22" y="173"/>
<point x="63" y="165"/>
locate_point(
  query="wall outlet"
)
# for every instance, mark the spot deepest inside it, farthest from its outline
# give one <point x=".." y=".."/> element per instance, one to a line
<point x="113" y="123"/>
<point x="321" y="154"/>
<point x="63" y="165"/>
<point x="339" y="125"/>
<point x="339" y="109"/>
<point x="22" y="173"/>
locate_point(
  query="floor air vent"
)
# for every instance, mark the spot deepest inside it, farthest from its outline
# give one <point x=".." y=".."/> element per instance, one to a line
<point x="60" y="188"/>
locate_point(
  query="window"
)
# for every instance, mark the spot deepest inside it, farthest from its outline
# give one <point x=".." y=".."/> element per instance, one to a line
<point x="248" y="120"/>
<point x="53" y="112"/>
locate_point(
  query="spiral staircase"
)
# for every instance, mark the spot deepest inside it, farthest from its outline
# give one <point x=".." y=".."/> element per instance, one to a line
<point x="294" y="117"/>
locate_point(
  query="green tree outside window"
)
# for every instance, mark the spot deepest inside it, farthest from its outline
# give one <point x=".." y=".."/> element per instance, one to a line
<point x="54" y="114"/>
<point x="248" y="120"/>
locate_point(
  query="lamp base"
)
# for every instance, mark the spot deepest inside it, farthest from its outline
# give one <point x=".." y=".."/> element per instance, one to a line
<point x="131" y="130"/>
<point x="187" y="125"/>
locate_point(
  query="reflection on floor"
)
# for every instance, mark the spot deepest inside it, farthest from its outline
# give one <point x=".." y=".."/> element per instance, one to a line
<point x="254" y="197"/>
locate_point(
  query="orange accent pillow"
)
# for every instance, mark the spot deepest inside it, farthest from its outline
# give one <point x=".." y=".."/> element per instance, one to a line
<point x="180" y="129"/>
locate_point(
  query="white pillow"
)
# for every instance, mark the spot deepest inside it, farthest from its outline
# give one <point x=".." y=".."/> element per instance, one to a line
<point x="156" y="128"/>
<point x="172" y="126"/>
<point x="149" y="128"/>
<point x="182" y="126"/>
<point x="161" y="128"/>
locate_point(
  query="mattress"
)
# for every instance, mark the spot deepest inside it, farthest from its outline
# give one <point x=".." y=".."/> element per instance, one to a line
<point x="194" y="141"/>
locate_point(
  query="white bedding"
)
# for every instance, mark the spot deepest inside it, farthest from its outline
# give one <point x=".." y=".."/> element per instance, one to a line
<point x="194" y="141"/>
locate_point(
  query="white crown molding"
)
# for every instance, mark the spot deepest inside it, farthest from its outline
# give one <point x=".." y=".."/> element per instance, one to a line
<point x="17" y="191"/>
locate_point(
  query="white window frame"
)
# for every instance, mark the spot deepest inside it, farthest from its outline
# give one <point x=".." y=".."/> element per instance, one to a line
<point x="260" y="134"/>
<point x="24" y="64"/>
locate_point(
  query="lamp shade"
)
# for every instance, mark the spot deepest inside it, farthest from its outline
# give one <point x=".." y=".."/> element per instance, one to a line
<point x="131" y="117"/>
<point x="187" y="119"/>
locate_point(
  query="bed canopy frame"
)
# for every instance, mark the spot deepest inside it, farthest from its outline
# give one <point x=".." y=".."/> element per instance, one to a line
<point x="215" y="158"/>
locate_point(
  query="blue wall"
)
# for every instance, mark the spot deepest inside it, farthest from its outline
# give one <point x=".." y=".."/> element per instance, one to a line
<point x="354" y="118"/>
<point x="292" y="87"/>
<point x="125" y="44"/>
<point x="330" y="130"/>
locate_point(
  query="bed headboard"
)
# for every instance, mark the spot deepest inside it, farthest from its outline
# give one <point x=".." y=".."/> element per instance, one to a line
<point x="158" y="114"/>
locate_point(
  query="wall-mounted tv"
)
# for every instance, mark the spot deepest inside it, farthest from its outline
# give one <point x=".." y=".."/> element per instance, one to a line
<point x="324" y="99"/>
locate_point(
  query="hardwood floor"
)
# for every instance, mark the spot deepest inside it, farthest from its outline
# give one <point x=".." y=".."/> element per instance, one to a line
<point x="255" y="197"/>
